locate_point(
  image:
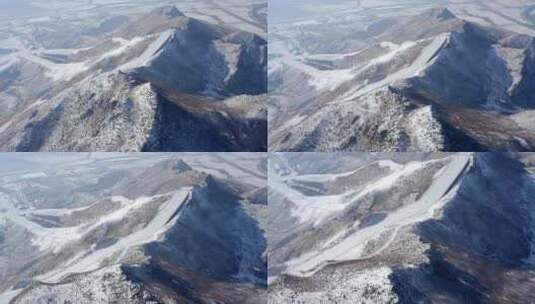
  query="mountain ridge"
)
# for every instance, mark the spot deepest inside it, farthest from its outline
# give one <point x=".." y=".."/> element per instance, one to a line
<point x="92" y="102"/>
<point x="473" y="242"/>
<point x="376" y="98"/>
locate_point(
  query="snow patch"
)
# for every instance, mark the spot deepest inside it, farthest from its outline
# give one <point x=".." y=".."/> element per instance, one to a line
<point x="514" y="59"/>
<point x="306" y="22"/>
<point x="9" y="295"/>
<point x="392" y="165"/>
<point x="231" y="52"/>
<point x="63" y="51"/>
<point x="389" y="45"/>
<point x="107" y="285"/>
<point x="426" y="58"/>
<point x="7" y="62"/>
<point x="32" y="175"/>
<point x="150" y="52"/>
<point x="427" y="130"/>
<point x="319" y="79"/>
<point x="371" y="286"/>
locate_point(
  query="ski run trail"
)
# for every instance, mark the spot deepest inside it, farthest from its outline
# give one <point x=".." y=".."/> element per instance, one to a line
<point x="351" y="247"/>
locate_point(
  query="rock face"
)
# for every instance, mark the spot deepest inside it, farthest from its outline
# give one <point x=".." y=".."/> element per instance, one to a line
<point x="386" y="228"/>
<point x="152" y="229"/>
<point x="467" y="83"/>
<point x="159" y="82"/>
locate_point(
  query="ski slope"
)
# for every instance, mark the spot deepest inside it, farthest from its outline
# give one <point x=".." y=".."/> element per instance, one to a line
<point x="316" y="209"/>
<point x="152" y="232"/>
<point x="416" y="68"/>
<point x="43" y="238"/>
<point x="151" y="52"/>
<point x="67" y="71"/>
<point x="351" y="247"/>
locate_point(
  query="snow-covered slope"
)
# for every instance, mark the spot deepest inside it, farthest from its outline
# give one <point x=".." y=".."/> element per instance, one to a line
<point x="161" y="81"/>
<point x="160" y="240"/>
<point x="405" y="228"/>
<point x="430" y="82"/>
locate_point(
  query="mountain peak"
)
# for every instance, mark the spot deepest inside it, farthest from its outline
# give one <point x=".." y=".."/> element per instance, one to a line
<point x="169" y="11"/>
<point x="440" y="13"/>
<point x="181" y="166"/>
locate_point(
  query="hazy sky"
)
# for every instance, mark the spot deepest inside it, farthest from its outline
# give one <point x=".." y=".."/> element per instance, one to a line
<point x="287" y="10"/>
<point x="25" y="161"/>
<point x="16" y="7"/>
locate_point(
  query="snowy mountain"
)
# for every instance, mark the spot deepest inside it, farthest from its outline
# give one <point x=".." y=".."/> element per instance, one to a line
<point x="159" y="81"/>
<point x="91" y="232"/>
<point x="401" y="228"/>
<point x="429" y="82"/>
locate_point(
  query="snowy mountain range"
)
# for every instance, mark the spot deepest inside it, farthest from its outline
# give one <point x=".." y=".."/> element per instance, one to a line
<point x="401" y="228"/>
<point x="135" y="229"/>
<point x="425" y="82"/>
<point x="156" y="81"/>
